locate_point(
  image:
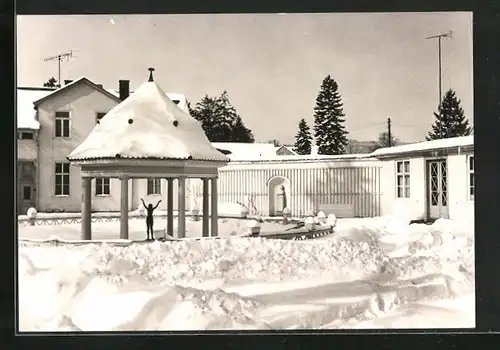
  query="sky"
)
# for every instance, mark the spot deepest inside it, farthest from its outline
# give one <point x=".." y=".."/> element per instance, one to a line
<point x="271" y="65"/>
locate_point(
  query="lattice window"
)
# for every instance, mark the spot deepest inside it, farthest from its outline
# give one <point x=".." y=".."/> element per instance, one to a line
<point x="403" y="179"/>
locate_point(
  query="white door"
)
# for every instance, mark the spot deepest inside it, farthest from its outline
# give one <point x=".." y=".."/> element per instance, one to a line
<point x="437" y="193"/>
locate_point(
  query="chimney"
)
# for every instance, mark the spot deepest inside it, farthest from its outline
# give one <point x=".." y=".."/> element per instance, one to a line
<point x="100" y="85"/>
<point x="124" y="89"/>
<point x="66" y="82"/>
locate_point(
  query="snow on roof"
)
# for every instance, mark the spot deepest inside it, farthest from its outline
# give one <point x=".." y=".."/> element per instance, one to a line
<point x="171" y="95"/>
<point x="426" y="146"/>
<point x="26" y="113"/>
<point x="299" y="158"/>
<point x="244" y="151"/>
<point x="147" y="125"/>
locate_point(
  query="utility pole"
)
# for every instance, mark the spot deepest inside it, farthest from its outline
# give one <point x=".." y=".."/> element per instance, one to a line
<point x="389" y="134"/>
<point x="62" y="56"/>
<point x="448" y="34"/>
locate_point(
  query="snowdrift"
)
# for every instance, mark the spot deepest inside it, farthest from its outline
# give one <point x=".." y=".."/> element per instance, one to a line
<point x="370" y="270"/>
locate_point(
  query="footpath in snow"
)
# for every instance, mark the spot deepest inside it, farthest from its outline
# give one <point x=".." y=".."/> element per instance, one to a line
<point x="372" y="273"/>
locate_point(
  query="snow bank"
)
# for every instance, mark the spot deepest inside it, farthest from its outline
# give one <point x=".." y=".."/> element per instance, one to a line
<point x="249" y="283"/>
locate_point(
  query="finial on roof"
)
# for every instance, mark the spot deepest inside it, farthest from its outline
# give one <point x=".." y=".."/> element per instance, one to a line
<point x="151" y="70"/>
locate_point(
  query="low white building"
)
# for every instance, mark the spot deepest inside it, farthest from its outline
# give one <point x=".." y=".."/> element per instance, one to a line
<point x="429" y="180"/>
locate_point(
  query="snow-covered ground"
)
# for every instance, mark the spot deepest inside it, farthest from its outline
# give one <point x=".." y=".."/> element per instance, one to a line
<point x="372" y="273"/>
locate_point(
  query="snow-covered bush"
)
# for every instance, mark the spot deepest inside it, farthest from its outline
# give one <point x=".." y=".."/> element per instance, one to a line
<point x="253" y="227"/>
<point x="287" y="212"/>
<point x="141" y="210"/>
<point x="331" y="220"/>
<point x="244" y="211"/>
<point x="286" y="215"/>
<point x="310" y="223"/>
<point x="321" y="218"/>
<point x="196" y="214"/>
<point x="258" y="217"/>
<point x="32" y="213"/>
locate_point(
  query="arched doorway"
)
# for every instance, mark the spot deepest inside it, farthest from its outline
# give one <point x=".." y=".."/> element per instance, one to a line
<point x="279" y="195"/>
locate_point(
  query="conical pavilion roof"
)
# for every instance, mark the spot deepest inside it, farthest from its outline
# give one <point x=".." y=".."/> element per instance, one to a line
<point x="147" y="125"/>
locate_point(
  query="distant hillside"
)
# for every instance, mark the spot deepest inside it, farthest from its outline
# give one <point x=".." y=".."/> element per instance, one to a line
<point x="356" y="146"/>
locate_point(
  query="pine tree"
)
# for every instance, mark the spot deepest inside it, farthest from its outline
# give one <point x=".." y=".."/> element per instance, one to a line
<point x="52" y="82"/>
<point x="189" y="108"/>
<point x="219" y="120"/>
<point x="226" y="118"/>
<point x="240" y="133"/>
<point x="206" y="113"/>
<point x="451" y="121"/>
<point x="329" y="129"/>
<point x="303" y="139"/>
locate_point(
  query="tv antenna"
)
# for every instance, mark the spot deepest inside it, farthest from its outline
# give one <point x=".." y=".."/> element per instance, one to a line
<point x="448" y="34"/>
<point x="66" y="56"/>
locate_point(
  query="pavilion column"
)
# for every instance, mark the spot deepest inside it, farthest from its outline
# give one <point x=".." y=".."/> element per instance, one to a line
<point x="170" y="206"/>
<point x="124" y="208"/>
<point x="86" y="208"/>
<point x="205" y="210"/>
<point x="215" y="215"/>
<point x="181" y="208"/>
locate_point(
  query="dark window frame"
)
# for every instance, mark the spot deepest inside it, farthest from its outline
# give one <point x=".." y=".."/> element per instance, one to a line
<point x="62" y="124"/>
<point x="62" y="179"/>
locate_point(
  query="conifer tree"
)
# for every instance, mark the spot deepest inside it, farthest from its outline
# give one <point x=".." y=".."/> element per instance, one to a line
<point x="303" y="138"/>
<point x="450" y="121"/>
<point x="52" y="82"/>
<point x="219" y="120"/>
<point x="329" y="129"/>
<point x="240" y="133"/>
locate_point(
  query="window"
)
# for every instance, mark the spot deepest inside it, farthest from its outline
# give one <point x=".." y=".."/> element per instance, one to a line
<point x="99" y="117"/>
<point x="471" y="177"/>
<point x="176" y="101"/>
<point x="102" y="186"/>
<point x="25" y="135"/>
<point x="62" y="179"/>
<point x="154" y="186"/>
<point x="62" y="124"/>
<point x="27" y="193"/>
<point x="403" y="179"/>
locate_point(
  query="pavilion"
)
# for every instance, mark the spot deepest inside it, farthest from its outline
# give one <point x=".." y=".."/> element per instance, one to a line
<point x="148" y="135"/>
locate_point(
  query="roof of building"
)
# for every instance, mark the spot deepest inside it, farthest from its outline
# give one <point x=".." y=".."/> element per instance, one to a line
<point x="426" y="146"/>
<point x="244" y="151"/>
<point x="179" y="99"/>
<point x="147" y="125"/>
<point x="284" y="150"/>
<point x="74" y="83"/>
<point x="302" y="158"/>
<point x="26" y="113"/>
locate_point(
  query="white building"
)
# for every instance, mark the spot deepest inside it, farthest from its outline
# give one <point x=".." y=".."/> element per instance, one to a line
<point x="425" y="180"/>
<point x="429" y="179"/>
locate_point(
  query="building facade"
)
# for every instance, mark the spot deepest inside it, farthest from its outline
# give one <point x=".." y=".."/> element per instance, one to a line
<point x="429" y="179"/>
<point x="424" y="180"/>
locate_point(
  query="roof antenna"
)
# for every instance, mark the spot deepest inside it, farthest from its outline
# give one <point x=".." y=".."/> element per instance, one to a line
<point x="151" y="70"/>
